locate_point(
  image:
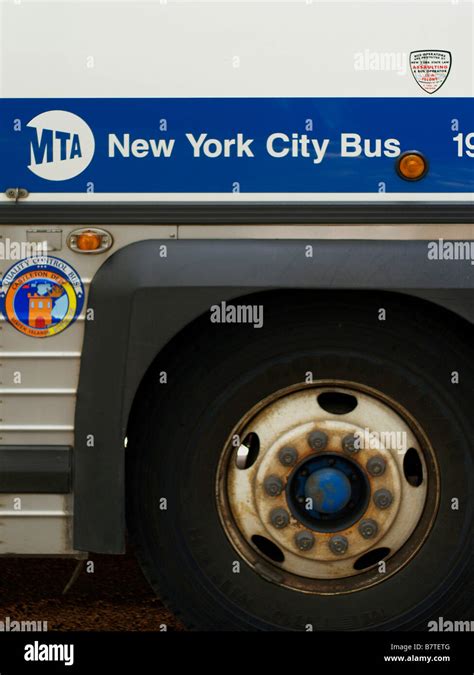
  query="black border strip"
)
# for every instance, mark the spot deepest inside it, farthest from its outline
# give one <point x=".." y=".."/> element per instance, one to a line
<point x="199" y="213"/>
<point x="35" y="468"/>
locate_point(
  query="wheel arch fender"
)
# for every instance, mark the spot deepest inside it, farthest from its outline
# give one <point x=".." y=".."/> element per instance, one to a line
<point x="149" y="291"/>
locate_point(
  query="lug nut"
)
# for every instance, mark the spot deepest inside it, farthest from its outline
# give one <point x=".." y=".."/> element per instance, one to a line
<point x="288" y="456"/>
<point x="304" y="540"/>
<point x="338" y="544"/>
<point x="376" y="465"/>
<point x="318" y="440"/>
<point x="273" y="486"/>
<point x="383" y="498"/>
<point x="368" y="528"/>
<point x="351" y="444"/>
<point x="279" y="518"/>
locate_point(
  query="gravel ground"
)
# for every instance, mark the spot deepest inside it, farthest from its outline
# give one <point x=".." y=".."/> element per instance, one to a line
<point x="115" y="597"/>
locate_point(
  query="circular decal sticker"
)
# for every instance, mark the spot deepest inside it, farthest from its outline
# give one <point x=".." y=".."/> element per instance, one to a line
<point x="41" y="296"/>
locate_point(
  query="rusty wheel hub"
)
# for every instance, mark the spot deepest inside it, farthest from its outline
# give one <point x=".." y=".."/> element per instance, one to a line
<point x="327" y="492"/>
<point x="325" y="483"/>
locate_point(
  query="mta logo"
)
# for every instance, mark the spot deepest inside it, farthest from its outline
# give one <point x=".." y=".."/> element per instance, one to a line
<point x="43" y="148"/>
<point x="62" y="145"/>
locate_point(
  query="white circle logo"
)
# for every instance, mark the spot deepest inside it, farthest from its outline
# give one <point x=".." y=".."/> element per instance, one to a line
<point x="62" y="147"/>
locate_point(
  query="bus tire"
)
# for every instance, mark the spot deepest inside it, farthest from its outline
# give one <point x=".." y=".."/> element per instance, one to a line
<point x="215" y="373"/>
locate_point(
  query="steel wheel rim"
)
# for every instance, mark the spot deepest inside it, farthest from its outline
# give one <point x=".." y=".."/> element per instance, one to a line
<point x="255" y="503"/>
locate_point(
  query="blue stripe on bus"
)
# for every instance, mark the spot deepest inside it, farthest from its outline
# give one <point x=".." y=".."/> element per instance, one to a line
<point x="426" y="124"/>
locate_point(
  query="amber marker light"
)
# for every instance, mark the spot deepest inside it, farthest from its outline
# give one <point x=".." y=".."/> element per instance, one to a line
<point x="89" y="240"/>
<point x="412" y="166"/>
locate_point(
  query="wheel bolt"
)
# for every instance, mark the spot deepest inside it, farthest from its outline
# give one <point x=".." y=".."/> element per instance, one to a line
<point x="338" y="544"/>
<point x="273" y="486"/>
<point x="376" y="465"/>
<point x="304" y="540"/>
<point x="351" y="444"/>
<point x="279" y="518"/>
<point x="383" y="498"/>
<point x="318" y="440"/>
<point x="288" y="456"/>
<point x="368" y="528"/>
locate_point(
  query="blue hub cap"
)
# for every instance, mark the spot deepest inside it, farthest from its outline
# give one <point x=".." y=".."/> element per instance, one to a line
<point x="330" y="490"/>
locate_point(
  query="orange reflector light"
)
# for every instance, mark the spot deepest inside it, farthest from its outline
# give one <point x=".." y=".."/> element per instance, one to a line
<point x="88" y="241"/>
<point x="412" y="166"/>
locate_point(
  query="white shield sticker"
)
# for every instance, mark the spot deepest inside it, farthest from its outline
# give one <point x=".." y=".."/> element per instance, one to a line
<point x="430" y="68"/>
